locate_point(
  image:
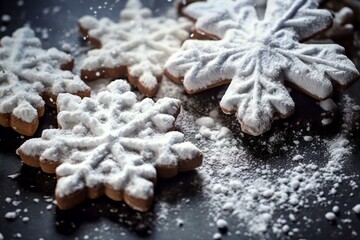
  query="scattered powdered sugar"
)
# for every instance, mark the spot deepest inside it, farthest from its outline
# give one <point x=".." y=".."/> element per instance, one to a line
<point x="205" y="122"/>
<point x="211" y="128"/>
<point x="239" y="187"/>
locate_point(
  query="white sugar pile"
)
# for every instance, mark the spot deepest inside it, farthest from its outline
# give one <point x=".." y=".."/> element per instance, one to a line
<point x="239" y="186"/>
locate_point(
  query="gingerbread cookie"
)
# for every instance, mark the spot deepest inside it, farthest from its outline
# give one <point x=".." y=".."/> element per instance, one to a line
<point x="197" y="10"/>
<point x="257" y="57"/>
<point x="200" y="9"/>
<point x="31" y="77"/>
<point x="217" y="11"/>
<point x="136" y="47"/>
<point x="111" y="144"/>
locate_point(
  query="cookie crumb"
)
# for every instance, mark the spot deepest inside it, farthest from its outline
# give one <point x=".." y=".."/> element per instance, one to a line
<point x="285" y="229"/>
<point x="330" y="216"/>
<point x="356" y="209"/>
<point x="221" y="224"/>
<point x="308" y="138"/>
<point x="10" y="215"/>
<point x="179" y="222"/>
<point x="297" y="157"/>
<point x="217" y="236"/>
<point x="16" y="203"/>
<point x="6" y="18"/>
<point x="336" y="209"/>
<point x="328" y="105"/>
<point x="13" y="176"/>
<point x="356" y="108"/>
<point x="206" y="122"/>
<point x="326" y="121"/>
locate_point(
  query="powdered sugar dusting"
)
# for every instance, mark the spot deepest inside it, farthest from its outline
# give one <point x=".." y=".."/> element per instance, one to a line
<point x="257" y="92"/>
<point x="124" y="141"/>
<point x="140" y="42"/>
<point x="28" y="71"/>
<point x="249" y="193"/>
<point x="254" y="193"/>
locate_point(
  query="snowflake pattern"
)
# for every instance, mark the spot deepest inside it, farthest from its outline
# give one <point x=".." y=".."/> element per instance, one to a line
<point x="203" y="10"/>
<point x="112" y="144"/>
<point x="259" y="56"/>
<point x="31" y="76"/>
<point x="137" y="46"/>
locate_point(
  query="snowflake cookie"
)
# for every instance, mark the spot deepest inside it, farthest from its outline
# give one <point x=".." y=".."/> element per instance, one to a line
<point x="257" y="57"/>
<point x="204" y="11"/>
<point x="137" y="46"/>
<point x="111" y="144"/>
<point x="31" y="77"/>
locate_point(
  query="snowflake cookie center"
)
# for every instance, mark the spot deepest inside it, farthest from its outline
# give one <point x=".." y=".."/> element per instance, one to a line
<point x="263" y="37"/>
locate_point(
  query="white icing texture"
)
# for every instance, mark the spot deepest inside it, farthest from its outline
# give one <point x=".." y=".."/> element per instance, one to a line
<point x="27" y="71"/>
<point x="215" y="17"/>
<point x="113" y="139"/>
<point x="259" y="56"/>
<point x="198" y="10"/>
<point x="139" y="41"/>
<point x="205" y="13"/>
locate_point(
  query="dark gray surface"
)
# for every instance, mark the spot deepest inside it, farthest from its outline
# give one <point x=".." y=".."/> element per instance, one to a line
<point x="105" y="219"/>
